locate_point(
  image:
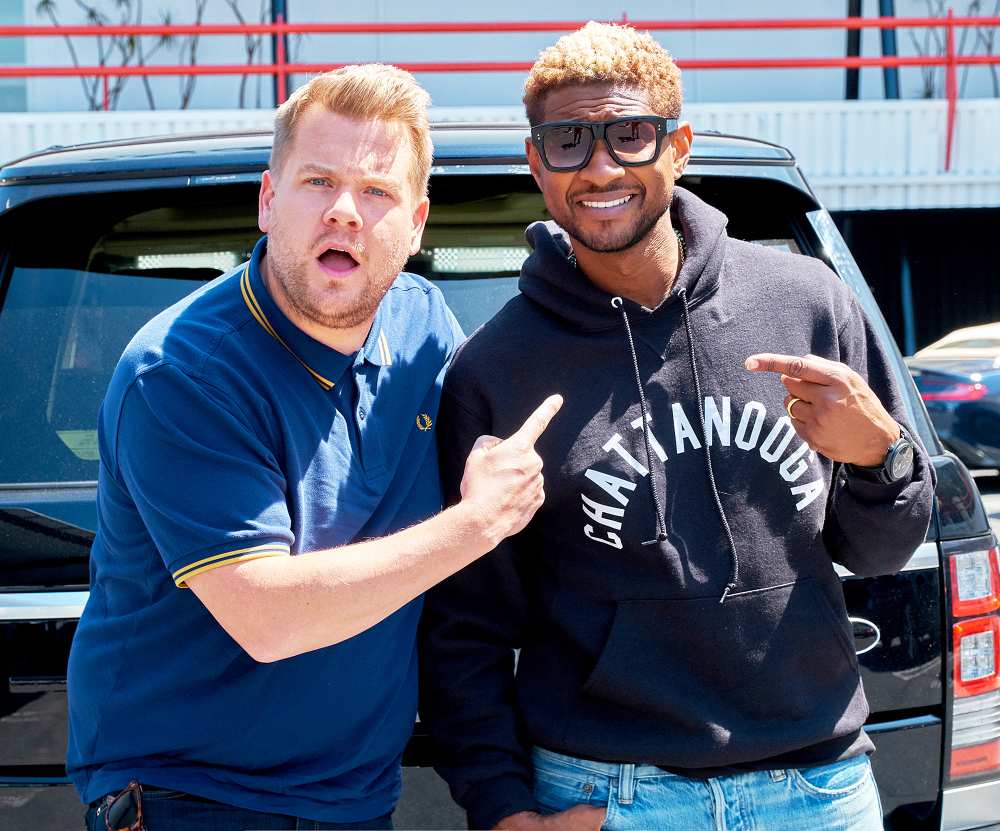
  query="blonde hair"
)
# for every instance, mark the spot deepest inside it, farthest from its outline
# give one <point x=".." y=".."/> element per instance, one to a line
<point x="603" y="53"/>
<point x="364" y="91"/>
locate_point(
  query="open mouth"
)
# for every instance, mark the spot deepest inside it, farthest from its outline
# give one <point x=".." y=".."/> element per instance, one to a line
<point x="337" y="261"/>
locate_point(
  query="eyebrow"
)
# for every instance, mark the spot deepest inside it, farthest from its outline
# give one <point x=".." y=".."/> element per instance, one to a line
<point x="331" y="172"/>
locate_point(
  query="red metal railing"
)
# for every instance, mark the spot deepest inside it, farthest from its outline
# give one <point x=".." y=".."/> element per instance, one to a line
<point x="281" y="68"/>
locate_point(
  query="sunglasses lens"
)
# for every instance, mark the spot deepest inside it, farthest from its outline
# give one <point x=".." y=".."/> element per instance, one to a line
<point x="567" y="147"/>
<point x="632" y="141"/>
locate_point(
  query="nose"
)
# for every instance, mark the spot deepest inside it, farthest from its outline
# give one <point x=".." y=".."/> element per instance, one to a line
<point x="344" y="211"/>
<point x="602" y="169"/>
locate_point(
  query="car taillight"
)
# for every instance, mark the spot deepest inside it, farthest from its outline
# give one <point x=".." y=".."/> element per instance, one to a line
<point x="975" y="583"/>
<point x="975" y="608"/>
<point x="958" y="391"/>
<point x="977" y="656"/>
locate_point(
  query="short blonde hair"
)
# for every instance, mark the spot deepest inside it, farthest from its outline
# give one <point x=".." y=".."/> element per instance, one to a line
<point x="365" y="91"/>
<point x="603" y="53"/>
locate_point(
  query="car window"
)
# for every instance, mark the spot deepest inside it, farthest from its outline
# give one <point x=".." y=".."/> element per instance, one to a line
<point x="70" y="310"/>
<point x="61" y="334"/>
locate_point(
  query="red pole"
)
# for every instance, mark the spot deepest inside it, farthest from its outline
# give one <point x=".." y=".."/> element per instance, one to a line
<point x="951" y="89"/>
<point x="280" y="60"/>
<point x="107" y="94"/>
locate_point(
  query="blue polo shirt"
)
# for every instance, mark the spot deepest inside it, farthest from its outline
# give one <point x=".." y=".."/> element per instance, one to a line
<point x="228" y="434"/>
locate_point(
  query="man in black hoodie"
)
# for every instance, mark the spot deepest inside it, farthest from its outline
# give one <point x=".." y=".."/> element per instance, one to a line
<point x="731" y="429"/>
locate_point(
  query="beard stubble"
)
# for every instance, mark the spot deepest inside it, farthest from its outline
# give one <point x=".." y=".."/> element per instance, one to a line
<point x="376" y="274"/>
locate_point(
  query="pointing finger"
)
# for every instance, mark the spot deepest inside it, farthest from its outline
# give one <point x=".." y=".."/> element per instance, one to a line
<point x="536" y="423"/>
<point x="806" y="369"/>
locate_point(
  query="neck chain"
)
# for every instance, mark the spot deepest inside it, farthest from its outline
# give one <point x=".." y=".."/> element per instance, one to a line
<point x="681" y="252"/>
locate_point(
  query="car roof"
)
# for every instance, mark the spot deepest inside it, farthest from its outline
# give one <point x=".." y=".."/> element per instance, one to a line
<point x="453" y="143"/>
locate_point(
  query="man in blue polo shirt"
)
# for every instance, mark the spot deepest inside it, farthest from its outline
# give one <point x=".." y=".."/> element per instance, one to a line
<point x="287" y="408"/>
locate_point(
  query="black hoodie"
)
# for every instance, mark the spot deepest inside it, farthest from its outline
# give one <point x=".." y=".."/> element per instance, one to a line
<point x="612" y="593"/>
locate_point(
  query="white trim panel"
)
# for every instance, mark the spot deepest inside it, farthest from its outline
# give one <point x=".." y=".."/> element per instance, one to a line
<point x="925" y="557"/>
<point x="832" y="141"/>
<point x="974" y="806"/>
<point x="42" y="605"/>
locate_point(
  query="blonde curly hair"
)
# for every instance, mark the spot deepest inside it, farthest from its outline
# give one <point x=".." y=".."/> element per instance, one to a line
<point x="604" y="53"/>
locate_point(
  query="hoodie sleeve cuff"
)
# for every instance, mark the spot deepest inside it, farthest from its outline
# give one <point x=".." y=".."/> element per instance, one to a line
<point x="489" y="802"/>
<point x="875" y="493"/>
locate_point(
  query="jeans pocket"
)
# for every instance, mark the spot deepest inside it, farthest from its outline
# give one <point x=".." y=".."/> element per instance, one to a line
<point x="560" y="785"/>
<point x="837" y="779"/>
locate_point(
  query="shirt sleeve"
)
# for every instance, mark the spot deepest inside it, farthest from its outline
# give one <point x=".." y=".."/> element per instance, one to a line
<point x="208" y="489"/>
<point x="873" y="528"/>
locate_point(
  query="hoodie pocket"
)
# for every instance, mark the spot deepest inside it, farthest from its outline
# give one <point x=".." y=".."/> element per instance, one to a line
<point x="773" y="653"/>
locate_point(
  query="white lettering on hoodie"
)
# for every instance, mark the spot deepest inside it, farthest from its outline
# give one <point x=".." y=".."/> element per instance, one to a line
<point x="791" y="466"/>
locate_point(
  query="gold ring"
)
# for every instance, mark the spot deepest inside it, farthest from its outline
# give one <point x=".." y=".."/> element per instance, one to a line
<point x="789" y="405"/>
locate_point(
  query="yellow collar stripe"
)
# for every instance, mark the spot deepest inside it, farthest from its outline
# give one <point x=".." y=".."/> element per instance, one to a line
<point x="258" y="313"/>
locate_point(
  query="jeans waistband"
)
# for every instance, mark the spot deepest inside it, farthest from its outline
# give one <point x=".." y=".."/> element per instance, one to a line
<point x="612" y="770"/>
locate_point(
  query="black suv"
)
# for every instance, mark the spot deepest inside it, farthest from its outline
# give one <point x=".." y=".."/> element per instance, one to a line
<point x="96" y="239"/>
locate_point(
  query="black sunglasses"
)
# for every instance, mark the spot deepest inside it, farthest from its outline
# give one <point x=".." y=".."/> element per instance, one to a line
<point x="568" y="145"/>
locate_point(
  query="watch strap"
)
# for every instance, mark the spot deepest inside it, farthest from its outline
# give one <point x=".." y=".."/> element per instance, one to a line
<point x="881" y="474"/>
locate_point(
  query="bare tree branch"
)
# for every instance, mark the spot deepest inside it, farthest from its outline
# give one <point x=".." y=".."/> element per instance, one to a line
<point x="48" y="8"/>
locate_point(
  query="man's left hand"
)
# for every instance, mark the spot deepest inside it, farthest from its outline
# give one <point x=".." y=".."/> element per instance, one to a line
<point x="832" y="408"/>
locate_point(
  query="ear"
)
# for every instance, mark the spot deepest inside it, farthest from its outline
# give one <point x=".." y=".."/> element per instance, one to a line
<point x="681" y="140"/>
<point x="264" y="199"/>
<point x="419" y="222"/>
<point x="534" y="161"/>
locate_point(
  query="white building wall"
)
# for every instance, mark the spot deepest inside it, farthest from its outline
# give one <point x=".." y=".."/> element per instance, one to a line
<point x="858" y="155"/>
<point x="499" y="89"/>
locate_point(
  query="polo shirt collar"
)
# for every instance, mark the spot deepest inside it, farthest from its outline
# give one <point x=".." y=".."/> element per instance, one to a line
<point x="324" y="364"/>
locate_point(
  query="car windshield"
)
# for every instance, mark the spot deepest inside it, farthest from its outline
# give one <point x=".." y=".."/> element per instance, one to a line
<point x="972" y="343"/>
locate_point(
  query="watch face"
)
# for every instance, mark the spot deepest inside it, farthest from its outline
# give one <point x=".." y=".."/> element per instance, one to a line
<point x="902" y="461"/>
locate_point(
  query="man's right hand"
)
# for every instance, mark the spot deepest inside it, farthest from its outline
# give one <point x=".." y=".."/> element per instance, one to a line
<point x="503" y="477"/>
<point x="577" y="818"/>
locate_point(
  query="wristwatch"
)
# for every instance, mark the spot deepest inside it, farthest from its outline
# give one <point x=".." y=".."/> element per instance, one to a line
<point x="896" y="465"/>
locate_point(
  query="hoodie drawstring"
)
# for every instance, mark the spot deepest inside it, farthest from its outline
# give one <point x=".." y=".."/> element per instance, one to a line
<point x="617" y="303"/>
<point x="661" y="524"/>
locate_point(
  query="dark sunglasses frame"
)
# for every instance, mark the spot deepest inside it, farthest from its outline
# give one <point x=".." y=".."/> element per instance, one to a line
<point x="598" y="130"/>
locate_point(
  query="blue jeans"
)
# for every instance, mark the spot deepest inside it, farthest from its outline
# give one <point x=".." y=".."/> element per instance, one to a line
<point x="838" y="797"/>
<point x="165" y="810"/>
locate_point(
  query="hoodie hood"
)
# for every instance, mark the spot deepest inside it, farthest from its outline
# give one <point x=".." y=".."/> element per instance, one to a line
<point x="550" y="277"/>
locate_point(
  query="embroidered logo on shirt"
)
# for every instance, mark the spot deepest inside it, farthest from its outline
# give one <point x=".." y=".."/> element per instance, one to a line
<point x="424" y="422"/>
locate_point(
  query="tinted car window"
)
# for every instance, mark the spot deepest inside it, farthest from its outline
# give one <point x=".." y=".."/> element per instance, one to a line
<point x="61" y="334"/>
<point x="70" y="310"/>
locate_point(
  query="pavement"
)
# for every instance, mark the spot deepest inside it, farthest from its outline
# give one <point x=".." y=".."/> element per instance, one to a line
<point x="989" y="487"/>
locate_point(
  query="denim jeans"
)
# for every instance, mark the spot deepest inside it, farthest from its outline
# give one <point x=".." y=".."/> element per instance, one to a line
<point x="837" y="797"/>
<point x="165" y="810"/>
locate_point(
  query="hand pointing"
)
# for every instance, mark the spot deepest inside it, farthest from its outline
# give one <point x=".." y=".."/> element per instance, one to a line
<point x="503" y="477"/>
<point x="832" y="407"/>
